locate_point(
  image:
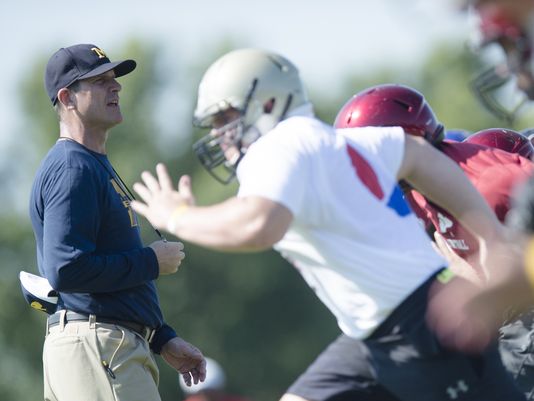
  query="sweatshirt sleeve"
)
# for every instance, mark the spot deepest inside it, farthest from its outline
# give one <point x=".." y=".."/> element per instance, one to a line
<point x="163" y="334"/>
<point x="72" y="219"/>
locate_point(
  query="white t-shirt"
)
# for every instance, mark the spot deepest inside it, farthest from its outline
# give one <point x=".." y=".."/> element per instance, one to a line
<point x="353" y="238"/>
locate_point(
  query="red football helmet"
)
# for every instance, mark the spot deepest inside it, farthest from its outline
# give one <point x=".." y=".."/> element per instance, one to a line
<point x="391" y="105"/>
<point x="505" y="139"/>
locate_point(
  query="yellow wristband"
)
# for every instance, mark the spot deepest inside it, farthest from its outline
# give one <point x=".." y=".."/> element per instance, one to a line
<point x="175" y="215"/>
<point x="529" y="262"/>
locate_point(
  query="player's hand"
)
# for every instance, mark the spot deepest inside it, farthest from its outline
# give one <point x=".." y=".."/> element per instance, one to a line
<point x="161" y="199"/>
<point x="467" y="317"/>
<point x="453" y="314"/>
<point x="186" y="359"/>
<point x="169" y="255"/>
<point x="457" y="264"/>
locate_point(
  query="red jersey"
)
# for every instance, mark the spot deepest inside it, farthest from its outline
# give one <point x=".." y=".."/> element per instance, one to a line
<point x="494" y="172"/>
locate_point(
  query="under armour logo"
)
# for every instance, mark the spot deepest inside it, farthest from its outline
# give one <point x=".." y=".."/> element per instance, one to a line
<point x="444" y="223"/>
<point x="461" y="387"/>
<point x="99" y="52"/>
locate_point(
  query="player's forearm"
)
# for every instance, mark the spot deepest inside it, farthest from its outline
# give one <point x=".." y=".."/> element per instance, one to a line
<point x="203" y="226"/>
<point x="235" y="225"/>
<point x="511" y="291"/>
<point x="439" y="179"/>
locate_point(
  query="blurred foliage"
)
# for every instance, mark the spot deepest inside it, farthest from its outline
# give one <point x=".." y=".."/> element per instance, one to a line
<point x="252" y="313"/>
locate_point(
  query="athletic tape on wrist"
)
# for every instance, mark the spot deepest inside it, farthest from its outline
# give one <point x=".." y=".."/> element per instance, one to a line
<point x="181" y="209"/>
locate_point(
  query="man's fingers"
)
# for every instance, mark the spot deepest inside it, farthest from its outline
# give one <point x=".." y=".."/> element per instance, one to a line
<point x="197" y="377"/>
<point x="202" y="369"/>
<point x="187" y="378"/>
<point x="442" y="245"/>
<point x="184" y="187"/>
<point x="142" y="191"/>
<point x="151" y="182"/>
<point x="140" y="208"/>
<point x="164" y="177"/>
<point x="198" y="374"/>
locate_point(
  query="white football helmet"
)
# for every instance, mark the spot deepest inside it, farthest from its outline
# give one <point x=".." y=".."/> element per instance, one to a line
<point x="261" y="86"/>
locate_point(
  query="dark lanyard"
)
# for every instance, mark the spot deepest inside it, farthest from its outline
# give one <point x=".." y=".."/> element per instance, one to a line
<point x="114" y="175"/>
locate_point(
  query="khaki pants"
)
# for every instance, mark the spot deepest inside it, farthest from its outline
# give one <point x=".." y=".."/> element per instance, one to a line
<point x="74" y="359"/>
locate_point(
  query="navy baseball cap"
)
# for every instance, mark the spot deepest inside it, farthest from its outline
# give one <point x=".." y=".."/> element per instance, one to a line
<point x="70" y="64"/>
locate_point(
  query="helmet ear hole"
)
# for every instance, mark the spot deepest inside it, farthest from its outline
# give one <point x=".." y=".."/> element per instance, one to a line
<point x="269" y="106"/>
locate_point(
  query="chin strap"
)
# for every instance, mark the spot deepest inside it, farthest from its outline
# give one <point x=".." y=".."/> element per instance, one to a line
<point x="286" y="107"/>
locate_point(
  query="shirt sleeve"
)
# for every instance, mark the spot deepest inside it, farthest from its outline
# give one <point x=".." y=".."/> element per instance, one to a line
<point x="163" y="334"/>
<point x="69" y="239"/>
<point x="385" y="142"/>
<point x="276" y="167"/>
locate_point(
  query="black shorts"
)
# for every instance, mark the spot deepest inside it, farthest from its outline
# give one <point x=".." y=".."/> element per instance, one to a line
<point x="516" y="345"/>
<point x="403" y="360"/>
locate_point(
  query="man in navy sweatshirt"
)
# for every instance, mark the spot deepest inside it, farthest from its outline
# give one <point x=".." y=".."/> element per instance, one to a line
<point x="101" y="340"/>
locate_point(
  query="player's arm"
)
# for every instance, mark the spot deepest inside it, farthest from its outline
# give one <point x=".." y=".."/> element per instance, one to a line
<point x="247" y="223"/>
<point x="439" y="179"/>
<point x="467" y="317"/>
<point x="457" y="264"/>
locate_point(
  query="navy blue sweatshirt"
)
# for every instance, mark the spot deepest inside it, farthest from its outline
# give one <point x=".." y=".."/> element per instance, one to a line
<point x="88" y="240"/>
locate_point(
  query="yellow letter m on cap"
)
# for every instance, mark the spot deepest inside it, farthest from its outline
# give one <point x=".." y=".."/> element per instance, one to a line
<point x="99" y="52"/>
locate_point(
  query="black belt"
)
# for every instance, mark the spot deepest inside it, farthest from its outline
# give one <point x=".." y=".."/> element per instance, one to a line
<point x="144" y="331"/>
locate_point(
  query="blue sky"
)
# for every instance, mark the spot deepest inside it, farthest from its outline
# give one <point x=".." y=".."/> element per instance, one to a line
<point x="325" y="39"/>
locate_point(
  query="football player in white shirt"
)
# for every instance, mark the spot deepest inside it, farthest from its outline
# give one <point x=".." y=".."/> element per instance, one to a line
<point x="329" y="202"/>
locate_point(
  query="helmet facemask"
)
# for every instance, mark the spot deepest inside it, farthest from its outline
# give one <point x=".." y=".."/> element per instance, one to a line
<point x="210" y="149"/>
<point x="221" y="150"/>
<point x="223" y="147"/>
<point x="242" y="96"/>
<point x="508" y="83"/>
<point x="497" y="90"/>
